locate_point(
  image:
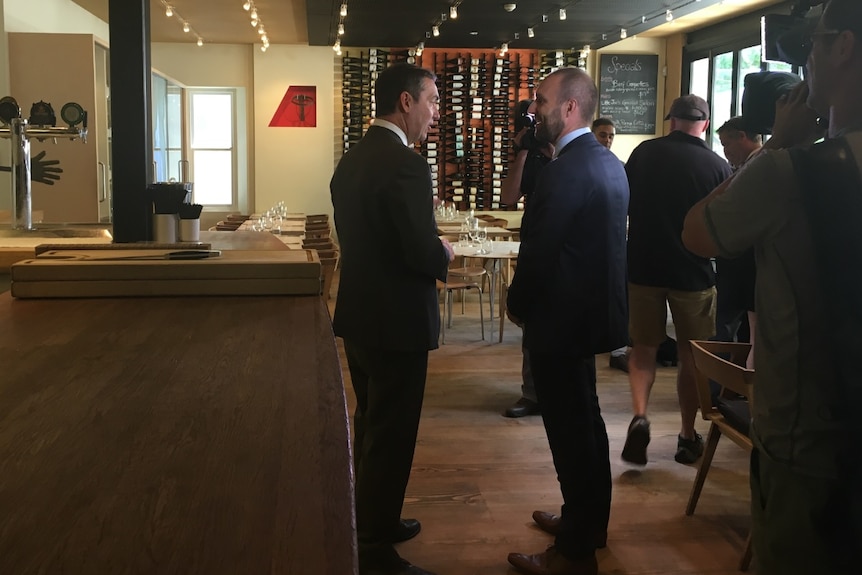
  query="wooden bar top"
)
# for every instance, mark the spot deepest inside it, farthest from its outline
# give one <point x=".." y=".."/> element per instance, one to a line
<point x="176" y="435"/>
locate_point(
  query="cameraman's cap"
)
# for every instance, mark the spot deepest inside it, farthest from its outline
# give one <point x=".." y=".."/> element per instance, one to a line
<point x="689" y="107"/>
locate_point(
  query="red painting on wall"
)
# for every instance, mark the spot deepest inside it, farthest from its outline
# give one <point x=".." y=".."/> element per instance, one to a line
<point x="298" y="108"/>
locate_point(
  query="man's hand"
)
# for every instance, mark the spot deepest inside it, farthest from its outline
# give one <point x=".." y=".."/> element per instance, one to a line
<point x="44" y="171"/>
<point x="795" y="123"/>
<point x="448" y="247"/>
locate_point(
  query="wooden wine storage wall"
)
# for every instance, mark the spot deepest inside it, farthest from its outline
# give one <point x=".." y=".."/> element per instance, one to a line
<point x="469" y="151"/>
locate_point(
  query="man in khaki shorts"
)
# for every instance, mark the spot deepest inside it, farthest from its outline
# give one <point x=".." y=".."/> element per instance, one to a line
<point x="667" y="176"/>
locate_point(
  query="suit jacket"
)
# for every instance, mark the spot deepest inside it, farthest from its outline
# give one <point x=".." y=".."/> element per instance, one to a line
<point x="570" y="285"/>
<point x="390" y="252"/>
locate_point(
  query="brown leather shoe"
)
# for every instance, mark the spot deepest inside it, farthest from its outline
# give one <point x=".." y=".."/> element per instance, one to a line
<point x="552" y="562"/>
<point x="550" y="523"/>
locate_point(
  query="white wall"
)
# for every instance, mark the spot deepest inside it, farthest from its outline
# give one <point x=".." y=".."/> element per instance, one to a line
<point x="625" y="144"/>
<point x="294" y="165"/>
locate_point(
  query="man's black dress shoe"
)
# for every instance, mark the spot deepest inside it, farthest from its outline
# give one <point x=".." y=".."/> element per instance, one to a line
<point x="401" y="567"/>
<point x="523" y="407"/>
<point x="407" y="529"/>
<point x="550" y="523"/>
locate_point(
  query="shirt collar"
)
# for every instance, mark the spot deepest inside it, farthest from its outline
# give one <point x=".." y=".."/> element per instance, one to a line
<point x="567" y="139"/>
<point x="380" y="123"/>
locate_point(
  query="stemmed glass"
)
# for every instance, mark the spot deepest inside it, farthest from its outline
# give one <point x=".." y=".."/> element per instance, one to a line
<point x="482" y="238"/>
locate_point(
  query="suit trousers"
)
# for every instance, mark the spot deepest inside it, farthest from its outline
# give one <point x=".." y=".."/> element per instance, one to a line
<point x="566" y="389"/>
<point x="389" y="387"/>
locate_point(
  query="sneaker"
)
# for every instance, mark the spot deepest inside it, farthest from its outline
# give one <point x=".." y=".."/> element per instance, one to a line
<point x="637" y="440"/>
<point x="620" y="362"/>
<point x="688" y="450"/>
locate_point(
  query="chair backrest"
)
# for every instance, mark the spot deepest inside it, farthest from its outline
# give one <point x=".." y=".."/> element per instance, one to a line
<point x="730" y="374"/>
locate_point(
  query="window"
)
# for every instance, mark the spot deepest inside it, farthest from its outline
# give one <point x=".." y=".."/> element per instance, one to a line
<point x="721" y="99"/>
<point x="213" y="147"/>
<point x="749" y="62"/>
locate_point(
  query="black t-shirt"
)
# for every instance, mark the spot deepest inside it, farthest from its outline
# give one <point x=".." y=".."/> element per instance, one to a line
<point x="667" y="176"/>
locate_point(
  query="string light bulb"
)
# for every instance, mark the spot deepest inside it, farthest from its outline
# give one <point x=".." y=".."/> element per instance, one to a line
<point x="341" y="29"/>
<point x="337" y="45"/>
<point x="186" y="27"/>
<point x="261" y="31"/>
<point x="246" y="6"/>
<point x="168" y="10"/>
<point x="668" y="15"/>
<point x="200" y="41"/>
<point x="263" y="47"/>
<point x="530" y="33"/>
<point x="623" y="34"/>
<point x="435" y="31"/>
<point x="586" y="49"/>
<point x="343" y="11"/>
<point x="562" y="13"/>
<point x="504" y="48"/>
<point x="453" y="12"/>
<point x="254" y="22"/>
<point x="254" y="14"/>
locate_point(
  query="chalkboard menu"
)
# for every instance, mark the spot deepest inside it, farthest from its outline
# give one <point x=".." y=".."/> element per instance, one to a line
<point x="627" y="91"/>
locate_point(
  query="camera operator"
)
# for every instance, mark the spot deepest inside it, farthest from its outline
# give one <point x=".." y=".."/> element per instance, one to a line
<point x="799" y="206"/>
<point x="531" y="155"/>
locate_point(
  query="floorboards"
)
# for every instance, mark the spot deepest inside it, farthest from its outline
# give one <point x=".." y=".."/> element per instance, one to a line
<point x="478" y="476"/>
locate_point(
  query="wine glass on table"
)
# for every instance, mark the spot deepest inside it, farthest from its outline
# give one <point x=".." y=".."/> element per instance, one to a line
<point x="482" y="238"/>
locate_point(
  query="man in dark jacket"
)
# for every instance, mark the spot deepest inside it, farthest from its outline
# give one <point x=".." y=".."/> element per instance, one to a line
<point x="387" y="310"/>
<point x="569" y="293"/>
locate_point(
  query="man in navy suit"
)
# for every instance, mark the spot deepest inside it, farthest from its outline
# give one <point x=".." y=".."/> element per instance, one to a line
<point x="387" y="310"/>
<point x="569" y="292"/>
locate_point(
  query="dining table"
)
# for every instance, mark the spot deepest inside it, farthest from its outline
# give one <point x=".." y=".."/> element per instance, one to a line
<point x="497" y="256"/>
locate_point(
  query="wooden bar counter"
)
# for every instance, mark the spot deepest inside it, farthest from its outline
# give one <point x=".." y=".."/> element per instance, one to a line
<point x="186" y="435"/>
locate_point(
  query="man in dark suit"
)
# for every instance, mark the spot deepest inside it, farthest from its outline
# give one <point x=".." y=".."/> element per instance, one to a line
<point x="387" y="308"/>
<point x="570" y="293"/>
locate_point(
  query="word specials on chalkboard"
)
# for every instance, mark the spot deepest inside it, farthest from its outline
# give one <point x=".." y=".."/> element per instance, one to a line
<point x="627" y="92"/>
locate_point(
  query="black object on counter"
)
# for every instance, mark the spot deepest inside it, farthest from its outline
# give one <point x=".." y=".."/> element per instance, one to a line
<point x="190" y="211"/>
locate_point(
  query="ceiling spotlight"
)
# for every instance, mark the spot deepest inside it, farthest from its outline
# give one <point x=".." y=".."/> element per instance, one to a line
<point x="668" y="15"/>
<point x="623" y="34"/>
<point x="186" y="27"/>
<point x="246" y="6"/>
<point x="200" y="41"/>
<point x="530" y="33"/>
<point x="341" y="29"/>
<point x="343" y="11"/>
<point x="510" y="7"/>
<point x="435" y="31"/>
<point x="453" y="12"/>
<point x="562" y="13"/>
<point x="168" y="10"/>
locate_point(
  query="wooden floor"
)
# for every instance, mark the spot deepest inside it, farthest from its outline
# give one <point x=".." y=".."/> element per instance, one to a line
<point x="477" y="476"/>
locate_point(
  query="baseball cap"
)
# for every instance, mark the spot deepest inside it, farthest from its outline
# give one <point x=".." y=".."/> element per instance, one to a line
<point x="689" y="107"/>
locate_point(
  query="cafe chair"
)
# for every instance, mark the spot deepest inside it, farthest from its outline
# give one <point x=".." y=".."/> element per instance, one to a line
<point x="461" y="280"/>
<point x="729" y="412"/>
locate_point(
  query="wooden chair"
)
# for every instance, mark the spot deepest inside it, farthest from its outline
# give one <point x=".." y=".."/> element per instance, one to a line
<point x="460" y="279"/>
<point x="729" y="413"/>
